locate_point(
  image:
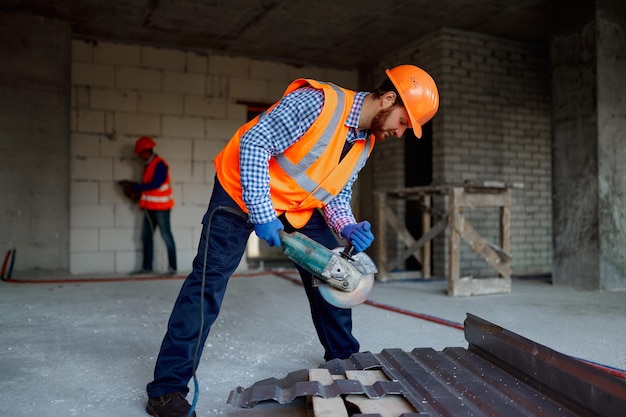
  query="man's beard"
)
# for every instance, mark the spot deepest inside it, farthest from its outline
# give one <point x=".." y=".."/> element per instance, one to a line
<point x="378" y="122"/>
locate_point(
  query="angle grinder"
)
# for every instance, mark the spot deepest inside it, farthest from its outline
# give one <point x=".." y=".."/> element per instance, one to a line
<point x="344" y="278"/>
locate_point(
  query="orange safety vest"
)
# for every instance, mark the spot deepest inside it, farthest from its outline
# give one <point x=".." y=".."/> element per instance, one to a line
<point x="161" y="198"/>
<point x="308" y="174"/>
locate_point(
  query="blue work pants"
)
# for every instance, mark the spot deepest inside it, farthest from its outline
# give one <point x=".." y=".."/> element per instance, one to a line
<point x="151" y="220"/>
<point x="222" y="244"/>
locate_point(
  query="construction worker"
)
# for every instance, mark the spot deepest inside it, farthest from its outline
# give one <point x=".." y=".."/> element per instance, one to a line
<point x="290" y="168"/>
<point x="156" y="199"/>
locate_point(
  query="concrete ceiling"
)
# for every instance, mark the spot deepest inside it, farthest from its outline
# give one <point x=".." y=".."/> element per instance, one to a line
<point x="336" y="33"/>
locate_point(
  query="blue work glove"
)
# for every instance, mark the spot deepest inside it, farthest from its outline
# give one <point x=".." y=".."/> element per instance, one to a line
<point x="359" y="235"/>
<point x="269" y="232"/>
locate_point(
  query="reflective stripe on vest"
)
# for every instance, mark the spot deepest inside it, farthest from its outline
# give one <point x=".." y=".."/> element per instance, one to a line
<point x="308" y="174"/>
<point x="160" y="198"/>
<point x="298" y="171"/>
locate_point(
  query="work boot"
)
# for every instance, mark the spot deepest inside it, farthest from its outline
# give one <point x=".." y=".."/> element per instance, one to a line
<point x="173" y="404"/>
<point x="170" y="272"/>
<point x="142" y="272"/>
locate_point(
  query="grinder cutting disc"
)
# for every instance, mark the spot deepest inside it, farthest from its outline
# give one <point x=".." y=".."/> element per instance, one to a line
<point x="345" y="299"/>
<point x="344" y="279"/>
<point x="348" y="299"/>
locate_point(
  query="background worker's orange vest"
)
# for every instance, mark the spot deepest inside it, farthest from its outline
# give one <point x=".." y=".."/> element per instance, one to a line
<point x="308" y="174"/>
<point x="161" y="198"/>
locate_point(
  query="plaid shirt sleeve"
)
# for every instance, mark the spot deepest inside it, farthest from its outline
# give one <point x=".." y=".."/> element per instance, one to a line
<point x="338" y="212"/>
<point x="274" y="133"/>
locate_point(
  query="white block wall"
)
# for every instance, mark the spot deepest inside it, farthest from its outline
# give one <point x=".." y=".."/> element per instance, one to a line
<point x="191" y="104"/>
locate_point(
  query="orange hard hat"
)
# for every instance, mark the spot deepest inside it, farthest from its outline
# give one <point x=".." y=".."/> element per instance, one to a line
<point x="418" y="92"/>
<point x="144" y="143"/>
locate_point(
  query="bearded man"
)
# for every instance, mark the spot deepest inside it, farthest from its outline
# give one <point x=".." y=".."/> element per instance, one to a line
<point x="290" y="168"/>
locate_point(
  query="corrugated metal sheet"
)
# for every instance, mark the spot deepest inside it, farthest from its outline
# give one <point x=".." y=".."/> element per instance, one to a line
<point x="501" y="374"/>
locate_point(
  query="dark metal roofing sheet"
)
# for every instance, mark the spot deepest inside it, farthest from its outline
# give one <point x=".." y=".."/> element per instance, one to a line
<point x="501" y="374"/>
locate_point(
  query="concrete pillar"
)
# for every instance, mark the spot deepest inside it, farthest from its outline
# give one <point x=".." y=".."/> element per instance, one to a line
<point x="589" y="175"/>
<point x="611" y="54"/>
<point x="34" y="141"/>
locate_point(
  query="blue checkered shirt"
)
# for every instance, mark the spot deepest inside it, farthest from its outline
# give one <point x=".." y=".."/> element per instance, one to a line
<point x="277" y="131"/>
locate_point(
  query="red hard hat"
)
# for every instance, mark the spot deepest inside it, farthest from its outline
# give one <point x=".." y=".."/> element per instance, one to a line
<point x="418" y="92"/>
<point x="144" y="143"/>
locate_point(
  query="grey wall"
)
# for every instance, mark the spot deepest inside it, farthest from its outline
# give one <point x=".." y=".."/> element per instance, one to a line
<point x="494" y="123"/>
<point x="191" y="104"/>
<point x="611" y="58"/>
<point x="588" y="145"/>
<point x="34" y="141"/>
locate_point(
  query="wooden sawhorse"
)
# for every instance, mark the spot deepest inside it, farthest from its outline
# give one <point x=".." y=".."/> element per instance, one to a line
<point x="467" y="196"/>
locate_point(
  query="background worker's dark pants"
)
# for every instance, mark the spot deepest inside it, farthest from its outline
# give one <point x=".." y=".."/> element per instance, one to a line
<point x="222" y="244"/>
<point x="151" y="220"/>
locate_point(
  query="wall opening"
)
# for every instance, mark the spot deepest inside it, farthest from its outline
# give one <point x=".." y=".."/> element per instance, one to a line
<point x="418" y="171"/>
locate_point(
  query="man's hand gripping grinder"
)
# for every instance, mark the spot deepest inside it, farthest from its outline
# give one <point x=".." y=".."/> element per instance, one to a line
<point x="344" y="278"/>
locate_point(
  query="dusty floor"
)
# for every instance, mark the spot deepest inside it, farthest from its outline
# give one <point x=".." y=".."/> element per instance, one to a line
<point x="88" y="349"/>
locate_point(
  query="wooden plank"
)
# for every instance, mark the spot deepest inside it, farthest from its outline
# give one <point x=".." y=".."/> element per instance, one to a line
<point x="366" y="377"/>
<point x="505" y="224"/>
<point x="388" y="406"/>
<point x="465" y="287"/>
<point x="471" y="200"/>
<point x="381" y="242"/>
<point x="326" y="407"/>
<point x="461" y="228"/>
<point x="504" y="256"/>
<point x="403" y="233"/>
<point x="419" y="190"/>
<point x="493" y="184"/>
<point x="482" y="248"/>
<point x="454" y="239"/>
<point x="414" y="248"/>
<point x="390" y="218"/>
<point x="427" y="249"/>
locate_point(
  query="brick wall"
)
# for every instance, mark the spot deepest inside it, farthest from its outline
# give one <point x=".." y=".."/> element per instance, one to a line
<point x="493" y="124"/>
<point x="190" y="104"/>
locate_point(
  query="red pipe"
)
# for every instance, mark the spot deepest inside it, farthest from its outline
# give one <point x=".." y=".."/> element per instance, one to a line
<point x="388" y="307"/>
<point x="4" y="264"/>
<point x="115" y="279"/>
<point x="613" y="371"/>
<point x="416" y="315"/>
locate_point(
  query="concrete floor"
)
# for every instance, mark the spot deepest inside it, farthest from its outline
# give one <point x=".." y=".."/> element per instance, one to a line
<point x="88" y="349"/>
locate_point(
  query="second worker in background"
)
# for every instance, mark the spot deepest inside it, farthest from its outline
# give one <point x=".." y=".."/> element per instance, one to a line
<point x="156" y="199"/>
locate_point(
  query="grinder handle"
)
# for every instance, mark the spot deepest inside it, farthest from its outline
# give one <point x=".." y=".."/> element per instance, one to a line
<point x="348" y="251"/>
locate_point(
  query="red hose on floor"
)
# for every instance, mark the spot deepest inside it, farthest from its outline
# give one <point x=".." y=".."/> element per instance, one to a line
<point x="115" y="279"/>
<point x="387" y="307"/>
<point x="285" y="275"/>
<point x="416" y="315"/>
<point x="4" y="264"/>
<point x="613" y="371"/>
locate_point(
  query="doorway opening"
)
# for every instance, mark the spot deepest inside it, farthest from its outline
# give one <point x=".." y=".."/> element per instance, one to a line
<point x="418" y="171"/>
